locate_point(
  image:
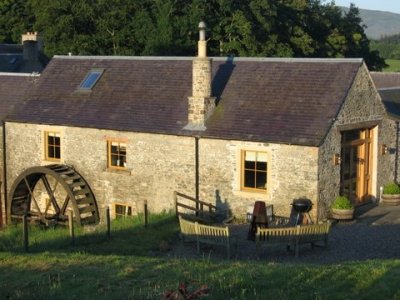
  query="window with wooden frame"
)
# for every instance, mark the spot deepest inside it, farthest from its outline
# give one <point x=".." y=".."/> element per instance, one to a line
<point x="52" y="145"/>
<point x="254" y="170"/>
<point x="116" y="154"/>
<point x="122" y="210"/>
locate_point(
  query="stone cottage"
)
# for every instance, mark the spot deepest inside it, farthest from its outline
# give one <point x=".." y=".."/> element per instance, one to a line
<point x="227" y="130"/>
<point x="13" y="89"/>
<point x="388" y="86"/>
<point x="27" y="57"/>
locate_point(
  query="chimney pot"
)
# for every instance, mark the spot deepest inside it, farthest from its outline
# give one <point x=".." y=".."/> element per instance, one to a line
<point x="202" y="31"/>
<point x="30" y="36"/>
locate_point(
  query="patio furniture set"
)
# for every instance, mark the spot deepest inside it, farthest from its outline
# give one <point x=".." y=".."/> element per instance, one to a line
<point x="265" y="229"/>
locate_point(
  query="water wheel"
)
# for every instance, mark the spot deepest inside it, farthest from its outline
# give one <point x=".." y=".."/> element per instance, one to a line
<point x="46" y="193"/>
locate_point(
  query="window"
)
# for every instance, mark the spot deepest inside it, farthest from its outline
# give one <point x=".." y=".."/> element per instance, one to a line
<point x="116" y="154"/>
<point x="53" y="145"/>
<point x="254" y="170"/>
<point x="90" y="80"/>
<point x="122" y="210"/>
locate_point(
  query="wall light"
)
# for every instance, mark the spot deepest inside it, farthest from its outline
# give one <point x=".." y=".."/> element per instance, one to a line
<point x="336" y="159"/>
<point x="384" y="149"/>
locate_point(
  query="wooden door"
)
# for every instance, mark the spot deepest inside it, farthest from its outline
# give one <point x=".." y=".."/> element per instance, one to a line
<point x="356" y="165"/>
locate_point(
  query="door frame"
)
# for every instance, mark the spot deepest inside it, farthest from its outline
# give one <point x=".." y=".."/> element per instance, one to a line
<point x="363" y="168"/>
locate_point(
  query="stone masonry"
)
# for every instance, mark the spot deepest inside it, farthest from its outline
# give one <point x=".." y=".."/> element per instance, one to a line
<point x="201" y="104"/>
<point x="158" y="165"/>
<point x="2" y="208"/>
<point x="362" y="109"/>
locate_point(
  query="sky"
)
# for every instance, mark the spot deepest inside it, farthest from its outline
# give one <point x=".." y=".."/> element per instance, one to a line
<point x="382" y="5"/>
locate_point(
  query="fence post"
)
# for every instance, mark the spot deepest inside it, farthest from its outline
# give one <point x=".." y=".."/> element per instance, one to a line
<point x="176" y="203"/>
<point x="25" y="232"/>
<point x="71" y="226"/>
<point x="145" y="214"/>
<point x="108" y="222"/>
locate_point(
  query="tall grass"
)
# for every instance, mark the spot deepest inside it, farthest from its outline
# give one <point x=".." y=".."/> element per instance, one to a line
<point x="128" y="235"/>
<point x="131" y="265"/>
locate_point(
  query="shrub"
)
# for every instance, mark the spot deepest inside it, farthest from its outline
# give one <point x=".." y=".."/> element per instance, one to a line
<point x="391" y="189"/>
<point x="342" y="202"/>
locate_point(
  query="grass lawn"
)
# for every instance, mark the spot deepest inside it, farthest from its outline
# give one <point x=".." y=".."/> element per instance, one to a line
<point x="393" y="65"/>
<point x="129" y="266"/>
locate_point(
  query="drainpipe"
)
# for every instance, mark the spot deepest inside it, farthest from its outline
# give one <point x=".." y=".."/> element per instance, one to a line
<point x="4" y="198"/>
<point x="197" y="180"/>
<point x="396" y="162"/>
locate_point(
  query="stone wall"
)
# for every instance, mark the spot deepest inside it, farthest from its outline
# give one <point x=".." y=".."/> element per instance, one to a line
<point x="158" y="165"/>
<point x="362" y="108"/>
<point x="2" y="198"/>
<point x="201" y="104"/>
<point x="292" y="173"/>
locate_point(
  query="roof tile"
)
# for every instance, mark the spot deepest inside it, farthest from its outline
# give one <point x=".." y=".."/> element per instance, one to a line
<point x="284" y="101"/>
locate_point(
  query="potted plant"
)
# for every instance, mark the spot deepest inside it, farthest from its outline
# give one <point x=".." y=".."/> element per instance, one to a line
<point x="342" y="208"/>
<point x="391" y="194"/>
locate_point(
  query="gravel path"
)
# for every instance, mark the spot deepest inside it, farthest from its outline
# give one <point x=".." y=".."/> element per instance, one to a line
<point x="374" y="234"/>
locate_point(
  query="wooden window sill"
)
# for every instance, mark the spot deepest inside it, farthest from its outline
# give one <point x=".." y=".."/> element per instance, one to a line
<point x="125" y="171"/>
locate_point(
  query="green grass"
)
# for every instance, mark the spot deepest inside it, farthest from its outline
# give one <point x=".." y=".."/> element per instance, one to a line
<point x="393" y="65"/>
<point x="129" y="266"/>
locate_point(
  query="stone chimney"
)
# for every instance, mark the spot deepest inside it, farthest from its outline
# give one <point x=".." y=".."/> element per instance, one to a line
<point x="201" y="104"/>
<point x="32" y="45"/>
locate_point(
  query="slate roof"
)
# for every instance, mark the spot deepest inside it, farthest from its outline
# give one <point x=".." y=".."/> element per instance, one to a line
<point x="391" y="99"/>
<point x="386" y="79"/>
<point x="13" y="90"/>
<point x="291" y="101"/>
<point x="388" y="85"/>
<point x="12" y="60"/>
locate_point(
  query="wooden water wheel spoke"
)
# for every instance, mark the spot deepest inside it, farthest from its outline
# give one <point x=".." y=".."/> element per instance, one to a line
<point x="33" y="198"/>
<point x="51" y="194"/>
<point x="64" y="207"/>
<point x="32" y="185"/>
<point x="55" y="187"/>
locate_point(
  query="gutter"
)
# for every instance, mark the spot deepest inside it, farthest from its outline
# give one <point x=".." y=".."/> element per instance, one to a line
<point x="4" y="176"/>
<point x="396" y="162"/>
<point x="197" y="173"/>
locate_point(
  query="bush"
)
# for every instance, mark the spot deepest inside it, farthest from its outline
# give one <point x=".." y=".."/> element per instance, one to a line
<point x="342" y="202"/>
<point x="391" y="189"/>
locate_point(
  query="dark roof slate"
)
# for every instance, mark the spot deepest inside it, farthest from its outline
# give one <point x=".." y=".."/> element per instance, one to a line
<point x="386" y="79"/>
<point x="12" y="60"/>
<point x="13" y="90"/>
<point x="391" y="99"/>
<point x="290" y="101"/>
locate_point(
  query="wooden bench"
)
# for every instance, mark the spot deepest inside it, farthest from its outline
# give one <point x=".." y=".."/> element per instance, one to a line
<point x="293" y="236"/>
<point x="207" y="234"/>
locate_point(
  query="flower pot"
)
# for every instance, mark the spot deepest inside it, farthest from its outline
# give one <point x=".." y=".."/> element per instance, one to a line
<point x="391" y="199"/>
<point x="342" y="214"/>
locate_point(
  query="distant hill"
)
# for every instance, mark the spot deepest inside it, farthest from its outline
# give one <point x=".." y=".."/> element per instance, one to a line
<point x="379" y="23"/>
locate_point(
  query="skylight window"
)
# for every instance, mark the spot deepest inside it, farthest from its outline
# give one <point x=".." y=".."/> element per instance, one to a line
<point x="13" y="60"/>
<point x="91" y="79"/>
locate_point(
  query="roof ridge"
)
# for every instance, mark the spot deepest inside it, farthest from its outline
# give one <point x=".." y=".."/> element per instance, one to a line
<point x="218" y="58"/>
<point x="389" y="88"/>
<point x="34" y="74"/>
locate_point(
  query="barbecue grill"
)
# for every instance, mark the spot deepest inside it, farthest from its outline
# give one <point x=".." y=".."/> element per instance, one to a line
<point x="302" y="207"/>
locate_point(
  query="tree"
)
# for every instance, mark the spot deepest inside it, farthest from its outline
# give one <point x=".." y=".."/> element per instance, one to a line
<point x="357" y="43"/>
<point x="16" y="18"/>
<point x="283" y="28"/>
